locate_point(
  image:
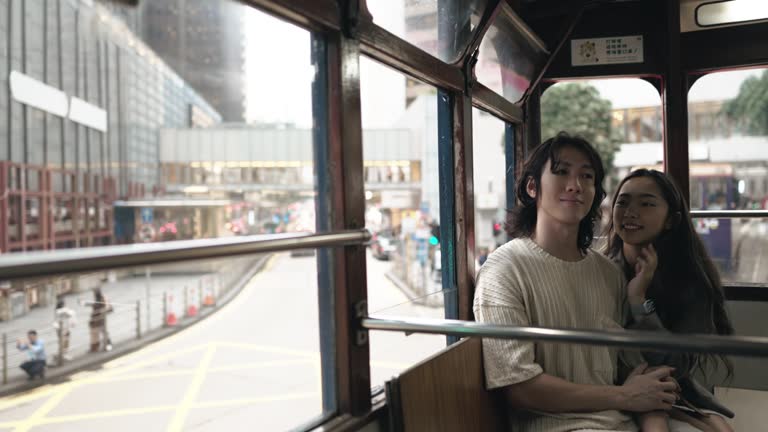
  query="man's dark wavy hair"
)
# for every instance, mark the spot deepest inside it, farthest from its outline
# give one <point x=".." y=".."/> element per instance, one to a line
<point x="522" y="218"/>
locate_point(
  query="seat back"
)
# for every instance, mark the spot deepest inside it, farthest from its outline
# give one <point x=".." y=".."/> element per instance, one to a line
<point x="445" y="393"/>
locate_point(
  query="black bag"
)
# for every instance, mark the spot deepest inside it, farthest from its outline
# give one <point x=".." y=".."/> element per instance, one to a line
<point x="694" y="395"/>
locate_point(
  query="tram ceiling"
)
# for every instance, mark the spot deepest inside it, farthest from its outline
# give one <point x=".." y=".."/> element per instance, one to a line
<point x="700" y="51"/>
<point x="595" y="20"/>
<point x="726" y="47"/>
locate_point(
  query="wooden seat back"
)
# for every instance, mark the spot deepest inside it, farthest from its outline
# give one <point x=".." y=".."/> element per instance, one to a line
<point x="445" y="393"/>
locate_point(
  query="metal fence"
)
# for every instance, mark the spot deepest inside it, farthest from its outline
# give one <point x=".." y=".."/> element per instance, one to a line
<point x="164" y="303"/>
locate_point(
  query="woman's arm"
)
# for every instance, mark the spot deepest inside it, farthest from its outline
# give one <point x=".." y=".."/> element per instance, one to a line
<point x="653" y="421"/>
<point x="644" y="318"/>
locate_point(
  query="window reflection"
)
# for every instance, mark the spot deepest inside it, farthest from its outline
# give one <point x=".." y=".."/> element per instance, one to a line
<point x="441" y="28"/>
<point x="509" y="59"/>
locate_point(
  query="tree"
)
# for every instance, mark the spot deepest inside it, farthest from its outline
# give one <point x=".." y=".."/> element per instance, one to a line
<point x="579" y="110"/>
<point x="749" y="109"/>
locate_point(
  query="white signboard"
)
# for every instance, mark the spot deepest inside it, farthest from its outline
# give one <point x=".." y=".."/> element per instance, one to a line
<point x="611" y="50"/>
<point x="397" y="199"/>
<point x="34" y="93"/>
<point x="485" y="201"/>
<point x="87" y="114"/>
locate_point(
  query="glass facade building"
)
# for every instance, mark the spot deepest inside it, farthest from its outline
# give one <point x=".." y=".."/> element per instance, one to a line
<point x="203" y="41"/>
<point x="82" y="101"/>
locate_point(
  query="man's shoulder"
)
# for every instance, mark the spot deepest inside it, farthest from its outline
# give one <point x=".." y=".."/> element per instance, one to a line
<point x="514" y="248"/>
<point x="605" y="264"/>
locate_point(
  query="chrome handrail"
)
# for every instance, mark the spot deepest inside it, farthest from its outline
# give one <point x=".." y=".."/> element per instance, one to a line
<point x="698" y="214"/>
<point x="57" y="262"/>
<point x="752" y="346"/>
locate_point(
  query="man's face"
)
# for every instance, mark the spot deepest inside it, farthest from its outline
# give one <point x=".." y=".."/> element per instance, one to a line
<point x="566" y="192"/>
<point x="32" y="337"/>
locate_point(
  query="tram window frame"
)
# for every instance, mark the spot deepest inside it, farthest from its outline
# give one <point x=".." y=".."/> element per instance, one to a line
<point x="735" y="289"/>
<point x="511" y="158"/>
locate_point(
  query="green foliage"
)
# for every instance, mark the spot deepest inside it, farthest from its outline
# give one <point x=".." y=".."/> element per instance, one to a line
<point x="579" y="110"/>
<point x="749" y="109"/>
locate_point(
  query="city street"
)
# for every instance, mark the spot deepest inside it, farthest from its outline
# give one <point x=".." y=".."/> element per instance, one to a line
<point x="253" y="363"/>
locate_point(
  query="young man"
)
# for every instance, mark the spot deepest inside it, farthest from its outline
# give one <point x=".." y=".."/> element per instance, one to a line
<point x="35" y="366"/>
<point x="548" y="277"/>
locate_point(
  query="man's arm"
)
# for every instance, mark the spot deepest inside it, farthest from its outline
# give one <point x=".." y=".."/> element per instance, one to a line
<point x="640" y="393"/>
<point x="36" y="348"/>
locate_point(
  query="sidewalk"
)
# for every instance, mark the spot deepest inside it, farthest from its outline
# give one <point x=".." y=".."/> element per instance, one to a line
<point x="122" y="323"/>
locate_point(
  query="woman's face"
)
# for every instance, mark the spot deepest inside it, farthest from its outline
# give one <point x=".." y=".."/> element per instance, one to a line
<point x="640" y="213"/>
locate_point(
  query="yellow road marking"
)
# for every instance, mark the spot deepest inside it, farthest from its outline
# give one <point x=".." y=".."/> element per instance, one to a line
<point x="177" y="423"/>
<point x="41" y="412"/>
<point x="153" y="360"/>
<point x="187" y="371"/>
<point x="165" y="408"/>
<point x="272" y="349"/>
<point x="114" y="369"/>
<point x="97" y="415"/>
<point x="84" y="378"/>
<point x="257" y="365"/>
<point x="32" y="395"/>
<point x="239" y="298"/>
<point x="250" y="401"/>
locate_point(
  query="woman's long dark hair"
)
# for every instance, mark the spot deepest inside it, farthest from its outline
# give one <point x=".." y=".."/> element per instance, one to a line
<point x="522" y="218"/>
<point x="685" y="274"/>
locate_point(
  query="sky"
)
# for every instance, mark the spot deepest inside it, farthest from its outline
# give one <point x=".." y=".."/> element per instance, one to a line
<point x="283" y="94"/>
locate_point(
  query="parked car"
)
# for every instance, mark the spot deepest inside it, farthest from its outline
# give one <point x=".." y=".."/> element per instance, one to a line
<point x="383" y="246"/>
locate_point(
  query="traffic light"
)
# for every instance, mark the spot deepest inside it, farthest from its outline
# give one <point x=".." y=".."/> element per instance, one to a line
<point x="434" y="239"/>
<point x="496" y="228"/>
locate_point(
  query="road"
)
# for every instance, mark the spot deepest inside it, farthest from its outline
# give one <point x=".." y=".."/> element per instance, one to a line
<point x="254" y="365"/>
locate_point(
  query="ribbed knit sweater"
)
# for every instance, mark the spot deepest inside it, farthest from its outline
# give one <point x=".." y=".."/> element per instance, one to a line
<point x="521" y="284"/>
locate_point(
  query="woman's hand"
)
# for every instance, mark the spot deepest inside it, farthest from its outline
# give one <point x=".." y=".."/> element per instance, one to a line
<point x="645" y="267"/>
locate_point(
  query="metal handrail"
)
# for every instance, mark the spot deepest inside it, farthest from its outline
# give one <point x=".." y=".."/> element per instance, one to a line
<point x="751" y="346"/>
<point x="58" y="262"/>
<point x="696" y="214"/>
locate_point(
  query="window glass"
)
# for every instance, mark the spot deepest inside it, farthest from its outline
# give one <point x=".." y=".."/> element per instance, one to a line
<point x="621" y="118"/>
<point x="728" y="138"/>
<point x="490" y="171"/>
<point x="508" y="60"/>
<point x="224" y="371"/>
<point x="162" y="138"/>
<point x="441" y="28"/>
<point x="402" y="212"/>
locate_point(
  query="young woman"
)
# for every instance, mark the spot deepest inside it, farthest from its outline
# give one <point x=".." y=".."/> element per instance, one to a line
<point x="678" y="290"/>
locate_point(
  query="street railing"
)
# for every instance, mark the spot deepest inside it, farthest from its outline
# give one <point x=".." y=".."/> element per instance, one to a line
<point x="751" y="346"/>
<point x="129" y="320"/>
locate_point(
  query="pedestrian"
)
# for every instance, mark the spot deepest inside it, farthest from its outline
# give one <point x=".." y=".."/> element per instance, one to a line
<point x="64" y="320"/>
<point x="98" y="322"/>
<point x="35" y="365"/>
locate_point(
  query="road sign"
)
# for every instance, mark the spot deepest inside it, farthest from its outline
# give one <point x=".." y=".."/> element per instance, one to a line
<point x="147" y="233"/>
